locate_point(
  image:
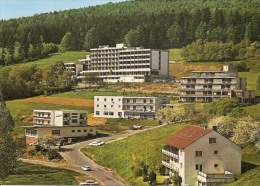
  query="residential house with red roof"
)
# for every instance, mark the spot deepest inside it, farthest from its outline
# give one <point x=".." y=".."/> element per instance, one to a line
<point x="202" y="157"/>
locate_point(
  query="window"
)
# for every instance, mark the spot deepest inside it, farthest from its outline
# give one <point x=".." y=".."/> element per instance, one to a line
<point x="198" y="153"/>
<point x="215" y="165"/>
<point x="111" y="113"/>
<point x="72" y="131"/>
<point x="119" y="106"/>
<point x="27" y="132"/>
<point x="105" y="99"/>
<point x="97" y="105"/>
<point x="97" y="112"/>
<point x="91" y="130"/>
<point x="119" y="99"/>
<point x="119" y="114"/>
<point x="56" y="132"/>
<point x="79" y="130"/>
<point x="144" y="100"/>
<point x="215" y="152"/>
<point x="97" y="99"/>
<point x="112" y="99"/>
<point x="151" y="108"/>
<point x="198" y="167"/>
<point x="212" y="140"/>
<point x="151" y="101"/>
<point x="34" y="132"/>
<point x="85" y="131"/>
<point x="105" y="113"/>
<point x="74" y="121"/>
<point x="181" y="165"/>
<point x="111" y="106"/>
<point x="105" y="106"/>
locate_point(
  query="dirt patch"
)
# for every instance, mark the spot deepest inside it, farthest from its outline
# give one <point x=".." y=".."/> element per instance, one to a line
<point x="27" y="118"/>
<point x="96" y="121"/>
<point x="114" y="128"/>
<point x="180" y="70"/>
<point x="60" y="101"/>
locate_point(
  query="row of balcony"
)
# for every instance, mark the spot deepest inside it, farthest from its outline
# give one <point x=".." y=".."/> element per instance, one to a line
<point x="139" y="110"/>
<point x="215" y="178"/>
<point x="41" y="117"/>
<point x="203" y="95"/>
<point x="137" y="103"/>
<point x="171" y="154"/>
<point x="206" y="89"/>
<point x="211" y="82"/>
<point x="170" y="166"/>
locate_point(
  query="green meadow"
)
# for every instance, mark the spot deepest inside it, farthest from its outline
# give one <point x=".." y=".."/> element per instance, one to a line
<point x="66" y="57"/>
<point x="30" y="174"/>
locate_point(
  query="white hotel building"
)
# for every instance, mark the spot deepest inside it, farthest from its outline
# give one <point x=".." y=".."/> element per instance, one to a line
<point x="131" y="107"/>
<point x="126" y="64"/>
<point x="64" y="123"/>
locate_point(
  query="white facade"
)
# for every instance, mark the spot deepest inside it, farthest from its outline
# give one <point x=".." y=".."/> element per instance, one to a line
<point x="74" y="67"/>
<point x="125" y="64"/>
<point x="207" y="160"/>
<point x="208" y="86"/>
<point x="64" y="123"/>
<point x="128" y="107"/>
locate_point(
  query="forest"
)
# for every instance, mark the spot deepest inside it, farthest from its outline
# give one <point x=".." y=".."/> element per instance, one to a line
<point x="152" y="24"/>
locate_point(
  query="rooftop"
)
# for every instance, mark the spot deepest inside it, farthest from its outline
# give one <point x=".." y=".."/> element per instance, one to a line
<point x="186" y="136"/>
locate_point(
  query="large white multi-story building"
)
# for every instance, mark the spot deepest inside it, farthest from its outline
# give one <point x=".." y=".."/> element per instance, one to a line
<point x="64" y="123"/>
<point x="125" y="64"/>
<point x="131" y="107"/>
<point x="201" y="157"/>
<point x="128" y="107"/>
<point x="208" y="86"/>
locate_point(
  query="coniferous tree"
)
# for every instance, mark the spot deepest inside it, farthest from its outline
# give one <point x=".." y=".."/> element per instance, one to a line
<point x="8" y="158"/>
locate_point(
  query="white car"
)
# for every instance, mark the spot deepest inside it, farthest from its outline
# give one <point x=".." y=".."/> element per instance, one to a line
<point x="86" y="168"/>
<point x="138" y="126"/>
<point x="89" y="182"/>
<point x="96" y="143"/>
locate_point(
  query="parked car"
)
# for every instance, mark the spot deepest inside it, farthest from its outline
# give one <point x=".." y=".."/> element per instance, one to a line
<point x="89" y="182"/>
<point x="96" y="143"/>
<point x="86" y="168"/>
<point x="132" y="128"/>
<point x="138" y="126"/>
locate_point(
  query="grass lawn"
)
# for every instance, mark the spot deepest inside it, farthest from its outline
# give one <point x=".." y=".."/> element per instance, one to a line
<point x="90" y="95"/>
<point x="114" y="155"/>
<point x="30" y="174"/>
<point x="251" y="80"/>
<point x="129" y="122"/>
<point x="19" y="109"/>
<point x="66" y="57"/>
<point x="174" y="54"/>
<point x="253" y="111"/>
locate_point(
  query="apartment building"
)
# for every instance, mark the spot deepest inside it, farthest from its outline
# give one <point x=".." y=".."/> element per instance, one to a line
<point x="201" y="157"/>
<point x="208" y="86"/>
<point x="76" y="68"/>
<point x="64" y="123"/>
<point x="125" y="64"/>
<point x="128" y="107"/>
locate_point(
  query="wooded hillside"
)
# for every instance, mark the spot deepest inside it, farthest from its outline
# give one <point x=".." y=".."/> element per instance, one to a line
<point x="153" y="24"/>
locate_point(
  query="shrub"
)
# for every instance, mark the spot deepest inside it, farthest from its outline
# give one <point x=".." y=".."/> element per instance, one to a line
<point x="53" y="154"/>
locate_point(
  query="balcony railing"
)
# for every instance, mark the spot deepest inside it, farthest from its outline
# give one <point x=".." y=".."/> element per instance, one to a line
<point x="216" y="178"/>
<point x="41" y="117"/>
<point x="170" y="166"/>
<point x="138" y="110"/>
<point x="83" y="118"/>
<point x="66" y="118"/>
<point x="170" y="154"/>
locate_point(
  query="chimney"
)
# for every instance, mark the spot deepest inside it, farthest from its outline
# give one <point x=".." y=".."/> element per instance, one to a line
<point x="205" y="127"/>
<point x="215" y="128"/>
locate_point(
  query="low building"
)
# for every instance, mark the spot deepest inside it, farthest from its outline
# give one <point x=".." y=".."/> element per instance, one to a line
<point x="76" y="68"/>
<point x="208" y="86"/>
<point x="64" y="123"/>
<point x="131" y="107"/>
<point x="123" y="63"/>
<point x="201" y="157"/>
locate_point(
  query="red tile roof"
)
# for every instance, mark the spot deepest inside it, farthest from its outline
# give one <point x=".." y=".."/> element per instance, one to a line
<point x="186" y="136"/>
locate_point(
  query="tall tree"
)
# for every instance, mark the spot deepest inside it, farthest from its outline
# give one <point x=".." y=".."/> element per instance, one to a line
<point x="66" y="42"/>
<point x="8" y="158"/>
